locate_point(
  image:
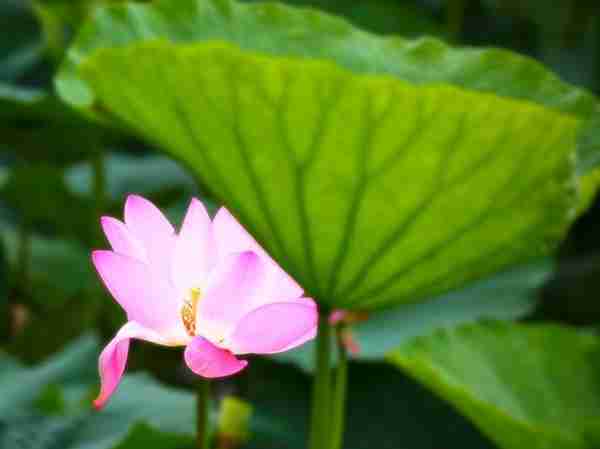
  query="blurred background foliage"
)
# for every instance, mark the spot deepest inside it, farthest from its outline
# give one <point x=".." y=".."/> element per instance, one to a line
<point x="59" y="173"/>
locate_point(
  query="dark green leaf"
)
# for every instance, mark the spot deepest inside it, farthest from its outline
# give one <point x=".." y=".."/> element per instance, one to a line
<point x="524" y="386"/>
<point x="41" y="198"/>
<point x="402" y="17"/>
<point x="24" y="48"/>
<point x="36" y="126"/>
<point x="149" y="176"/>
<point x="58" y="271"/>
<point x="21" y="387"/>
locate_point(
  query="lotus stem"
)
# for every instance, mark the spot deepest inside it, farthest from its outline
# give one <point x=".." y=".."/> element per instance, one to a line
<point x="202" y="411"/>
<point x="321" y="396"/>
<point x="338" y="412"/>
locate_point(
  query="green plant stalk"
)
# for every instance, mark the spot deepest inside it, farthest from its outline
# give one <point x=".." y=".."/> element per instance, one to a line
<point x="321" y="394"/>
<point x="23" y="257"/>
<point x="99" y="169"/>
<point x="338" y="400"/>
<point x="99" y="180"/>
<point x="202" y="411"/>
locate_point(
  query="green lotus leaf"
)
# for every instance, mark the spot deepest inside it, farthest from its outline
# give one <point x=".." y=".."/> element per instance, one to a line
<point x="524" y="386"/>
<point x="370" y="190"/>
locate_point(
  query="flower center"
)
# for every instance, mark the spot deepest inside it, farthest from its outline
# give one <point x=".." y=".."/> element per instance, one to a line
<point x="189" y="309"/>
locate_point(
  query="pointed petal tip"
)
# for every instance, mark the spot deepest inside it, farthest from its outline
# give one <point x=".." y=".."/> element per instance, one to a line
<point x="135" y="201"/>
<point x="105" y="219"/>
<point x="196" y="202"/>
<point x="134" y="197"/>
<point x="98" y="255"/>
<point x="99" y="403"/>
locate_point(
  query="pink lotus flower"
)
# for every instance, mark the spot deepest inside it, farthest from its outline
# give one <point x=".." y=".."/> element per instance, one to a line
<point x="210" y="288"/>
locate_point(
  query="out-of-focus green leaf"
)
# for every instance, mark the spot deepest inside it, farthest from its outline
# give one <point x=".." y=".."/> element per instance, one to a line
<point x="37" y="127"/>
<point x="134" y="422"/>
<point x="59" y="270"/>
<point x="233" y="421"/>
<point x="60" y="20"/>
<point x="48" y="327"/>
<point x="21" y="387"/>
<point x="309" y="155"/>
<point x="508" y="296"/>
<point x="524" y="386"/>
<point x="140" y="400"/>
<point x="49" y="407"/>
<point x="41" y="198"/>
<point x="555" y="23"/>
<point x="21" y="104"/>
<point x="146" y="175"/>
<point x="23" y="49"/>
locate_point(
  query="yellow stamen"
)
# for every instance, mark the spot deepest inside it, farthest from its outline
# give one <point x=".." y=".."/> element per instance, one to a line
<point x="189" y="309"/>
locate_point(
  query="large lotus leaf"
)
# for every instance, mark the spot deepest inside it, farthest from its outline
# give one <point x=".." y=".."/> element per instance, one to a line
<point x="524" y="386"/>
<point x="309" y="156"/>
<point x="278" y="30"/>
<point x="369" y="190"/>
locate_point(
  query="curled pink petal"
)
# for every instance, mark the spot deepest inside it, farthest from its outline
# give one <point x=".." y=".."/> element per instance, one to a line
<point x="194" y="252"/>
<point x="148" y="224"/>
<point x="113" y="359"/>
<point x="207" y="360"/>
<point x="273" y="328"/>
<point x="232" y="284"/>
<point x="122" y="240"/>
<point x="146" y="298"/>
<point x="231" y="237"/>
